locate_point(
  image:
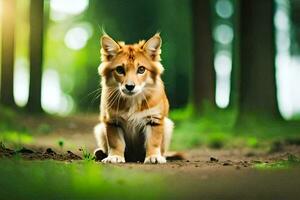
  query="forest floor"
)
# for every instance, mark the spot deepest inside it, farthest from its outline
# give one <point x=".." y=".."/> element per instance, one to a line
<point x="205" y="173"/>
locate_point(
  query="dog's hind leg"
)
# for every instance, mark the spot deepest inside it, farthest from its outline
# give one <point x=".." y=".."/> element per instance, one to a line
<point x="169" y="126"/>
<point x="168" y="130"/>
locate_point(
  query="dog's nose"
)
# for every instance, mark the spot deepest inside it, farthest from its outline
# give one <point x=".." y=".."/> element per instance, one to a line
<point x="129" y="87"/>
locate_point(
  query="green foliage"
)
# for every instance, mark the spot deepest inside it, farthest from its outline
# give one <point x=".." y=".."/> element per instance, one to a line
<point x="182" y="114"/>
<point x="252" y="142"/>
<point x="10" y="131"/>
<point x="291" y="161"/>
<point x="213" y="128"/>
<point x="7" y="118"/>
<point x="217" y="141"/>
<point x="86" y="154"/>
<point x="2" y="146"/>
<point x="218" y="128"/>
<point x="78" y="180"/>
<point x="15" y="137"/>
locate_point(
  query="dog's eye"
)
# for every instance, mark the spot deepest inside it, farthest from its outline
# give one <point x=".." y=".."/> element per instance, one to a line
<point x="141" y="70"/>
<point x="120" y="70"/>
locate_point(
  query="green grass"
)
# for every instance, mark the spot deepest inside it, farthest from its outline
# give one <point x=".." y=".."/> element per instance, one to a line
<point x="16" y="138"/>
<point x="291" y="161"/>
<point x="86" y="155"/>
<point x="79" y="180"/>
<point x="10" y="131"/>
<point x="217" y="128"/>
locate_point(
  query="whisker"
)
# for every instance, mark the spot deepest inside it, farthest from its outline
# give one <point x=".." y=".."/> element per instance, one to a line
<point x="96" y="97"/>
<point x="96" y="90"/>
<point x="111" y="101"/>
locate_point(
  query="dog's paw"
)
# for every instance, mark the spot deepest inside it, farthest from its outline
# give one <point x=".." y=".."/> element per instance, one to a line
<point x="114" y="159"/>
<point x="99" y="155"/>
<point x="155" y="159"/>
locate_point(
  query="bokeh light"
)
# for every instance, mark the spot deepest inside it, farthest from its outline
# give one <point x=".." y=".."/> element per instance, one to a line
<point x="287" y="65"/>
<point x="281" y="20"/>
<point x="222" y="92"/>
<point x="223" y="34"/>
<point x="224" y="8"/>
<point x="223" y="66"/>
<point x="76" y="38"/>
<point x="61" y="9"/>
<point x="72" y="7"/>
<point x="223" y="63"/>
<point x="21" y="81"/>
<point x="53" y="99"/>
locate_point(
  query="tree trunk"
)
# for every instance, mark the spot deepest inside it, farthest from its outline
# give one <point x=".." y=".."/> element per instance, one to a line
<point x="203" y="71"/>
<point x="234" y="83"/>
<point x="36" y="55"/>
<point x="7" y="52"/>
<point x="257" y="59"/>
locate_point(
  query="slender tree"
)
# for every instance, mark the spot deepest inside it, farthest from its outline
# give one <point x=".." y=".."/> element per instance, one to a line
<point x="234" y="84"/>
<point x="36" y="54"/>
<point x="203" y="71"/>
<point x="257" y="93"/>
<point x="7" y="52"/>
<point x="295" y="18"/>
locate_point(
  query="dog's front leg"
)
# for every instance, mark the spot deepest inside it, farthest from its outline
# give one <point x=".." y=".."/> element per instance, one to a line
<point x="116" y="144"/>
<point x="154" y="137"/>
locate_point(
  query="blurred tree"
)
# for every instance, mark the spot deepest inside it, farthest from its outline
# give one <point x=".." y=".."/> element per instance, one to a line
<point x="295" y="18"/>
<point x="203" y="75"/>
<point x="177" y="49"/>
<point x="234" y="85"/>
<point x="36" y="55"/>
<point x="257" y="94"/>
<point x="7" y="53"/>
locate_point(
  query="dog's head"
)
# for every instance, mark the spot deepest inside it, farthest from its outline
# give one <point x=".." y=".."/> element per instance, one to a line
<point x="130" y="68"/>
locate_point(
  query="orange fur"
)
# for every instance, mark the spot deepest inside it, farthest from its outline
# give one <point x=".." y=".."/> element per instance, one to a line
<point x="134" y="106"/>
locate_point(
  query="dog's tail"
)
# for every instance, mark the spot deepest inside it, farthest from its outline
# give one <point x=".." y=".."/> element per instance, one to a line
<point x="172" y="155"/>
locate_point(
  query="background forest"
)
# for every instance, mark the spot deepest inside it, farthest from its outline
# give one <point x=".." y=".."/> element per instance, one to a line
<point x="229" y="62"/>
<point x="232" y="71"/>
<point x="203" y="52"/>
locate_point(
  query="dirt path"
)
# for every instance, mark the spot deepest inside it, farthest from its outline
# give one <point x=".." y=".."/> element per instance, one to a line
<point x="76" y="132"/>
<point x="205" y="173"/>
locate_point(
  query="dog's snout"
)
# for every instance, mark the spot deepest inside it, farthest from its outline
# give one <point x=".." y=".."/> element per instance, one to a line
<point x="129" y="87"/>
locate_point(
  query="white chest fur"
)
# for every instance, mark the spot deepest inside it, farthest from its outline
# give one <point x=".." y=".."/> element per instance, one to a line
<point x="133" y="121"/>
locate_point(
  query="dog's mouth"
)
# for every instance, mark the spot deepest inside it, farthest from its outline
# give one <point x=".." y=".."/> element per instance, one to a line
<point x="129" y="93"/>
<point x="132" y="92"/>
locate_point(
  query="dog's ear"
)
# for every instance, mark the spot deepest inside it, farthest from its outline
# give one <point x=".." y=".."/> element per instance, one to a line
<point x="153" y="47"/>
<point x="109" y="47"/>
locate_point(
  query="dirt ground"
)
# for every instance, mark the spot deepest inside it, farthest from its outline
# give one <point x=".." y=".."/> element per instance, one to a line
<point x="204" y="174"/>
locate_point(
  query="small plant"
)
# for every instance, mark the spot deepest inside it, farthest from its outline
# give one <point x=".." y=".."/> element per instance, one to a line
<point x="2" y="146"/>
<point x="61" y="143"/>
<point x="86" y="154"/>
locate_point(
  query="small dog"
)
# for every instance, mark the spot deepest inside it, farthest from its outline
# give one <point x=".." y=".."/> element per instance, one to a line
<point x="134" y="124"/>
